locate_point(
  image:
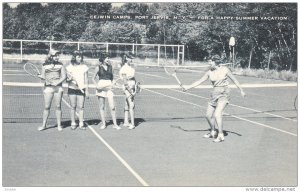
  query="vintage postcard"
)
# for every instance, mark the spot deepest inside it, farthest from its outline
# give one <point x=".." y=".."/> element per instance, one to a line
<point x="150" y="94"/>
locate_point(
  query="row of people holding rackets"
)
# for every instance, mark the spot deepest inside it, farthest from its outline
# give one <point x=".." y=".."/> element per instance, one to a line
<point x="76" y="74"/>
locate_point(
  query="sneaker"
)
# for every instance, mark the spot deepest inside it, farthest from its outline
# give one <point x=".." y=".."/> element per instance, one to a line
<point x="59" y="128"/>
<point x="220" y="138"/>
<point x="41" y="128"/>
<point x="81" y="126"/>
<point x="103" y="126"/>
<point x="131" y="126"/>
<point x="117" y="127"/>
<point x="73" y="126"/>
<point x="212" y="134"/>
<point x="126" y="124"/>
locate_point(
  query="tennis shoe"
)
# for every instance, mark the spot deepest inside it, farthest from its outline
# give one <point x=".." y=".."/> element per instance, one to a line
<point x="59" y="128"/>
<point x="212" y="134"/>
<point x="126" y="124"/>
<point x="41" y="128"/>
<point x="103" y="126"/>
<point x="73" y="126"/>
<point x="81" y="126"/>
<point x="131" y="126"/>
<point x="117" y="127"/>
<point x="220" y="138"/>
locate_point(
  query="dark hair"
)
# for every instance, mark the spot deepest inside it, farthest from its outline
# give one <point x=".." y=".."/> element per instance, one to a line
<point x="217" y="59"/>
<point x="49" y="60"/>
<point x="103" y="56"/>
<point x="74" y="55"/>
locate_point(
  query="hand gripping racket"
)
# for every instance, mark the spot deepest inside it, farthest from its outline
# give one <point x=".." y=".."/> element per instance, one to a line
<point x="34" y="71"/>
<point x="123" y="83"/>
<point x="79" y="81"/>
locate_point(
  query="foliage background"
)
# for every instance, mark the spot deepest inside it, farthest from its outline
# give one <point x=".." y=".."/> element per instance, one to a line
<point x="260" y="44"/>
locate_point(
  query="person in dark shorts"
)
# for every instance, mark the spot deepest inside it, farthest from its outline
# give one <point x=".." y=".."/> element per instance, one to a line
<point x="77" y="74"/>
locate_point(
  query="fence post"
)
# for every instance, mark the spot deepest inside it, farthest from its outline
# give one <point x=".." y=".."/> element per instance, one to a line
<point x="106" y="47"/>
<point x="78" y="46"/>
<point x="182" y="59"/>
<point x="158" y="54"/>
<point x="50" y="45"/>
<point x="178" y="54"/>
<point x="21" y="50"/>
<point x="132" y="48"/>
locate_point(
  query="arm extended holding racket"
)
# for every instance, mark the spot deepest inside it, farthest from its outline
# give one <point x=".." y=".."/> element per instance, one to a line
<point x="195" y="84"/>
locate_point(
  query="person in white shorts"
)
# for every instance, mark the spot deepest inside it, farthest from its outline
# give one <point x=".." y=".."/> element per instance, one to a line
<point x="104" y="72"/>
<point x="218" y="75"/>
<point x="77" y="74"/>
<point x="53" y="72"/>
<point x="127" y="74"/>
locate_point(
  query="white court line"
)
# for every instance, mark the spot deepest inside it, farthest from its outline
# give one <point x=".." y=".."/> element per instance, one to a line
<point x="152" y="75"/>
<point x="13" y="70"/>
<point x="135" y="174"/>
<point x="250" y="109"/>
<point x="253" y="122"/>
<point x="19" y="74"/>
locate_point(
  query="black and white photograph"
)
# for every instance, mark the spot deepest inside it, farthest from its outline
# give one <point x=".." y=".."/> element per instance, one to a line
<point x="101" y="95"/>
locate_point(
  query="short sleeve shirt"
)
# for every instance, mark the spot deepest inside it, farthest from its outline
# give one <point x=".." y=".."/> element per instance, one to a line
<point x="218" y="77"/>
<point x="128" y="71"/>
<point x="77" y="72"/>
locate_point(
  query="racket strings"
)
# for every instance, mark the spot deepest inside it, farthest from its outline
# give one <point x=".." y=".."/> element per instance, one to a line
<point x="31" y="69"/>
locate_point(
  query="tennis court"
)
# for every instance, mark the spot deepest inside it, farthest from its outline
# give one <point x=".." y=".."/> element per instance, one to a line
<point x="165" y="149"/>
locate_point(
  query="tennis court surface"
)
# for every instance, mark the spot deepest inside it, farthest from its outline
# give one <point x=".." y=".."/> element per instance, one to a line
<point x="165" y="149"/>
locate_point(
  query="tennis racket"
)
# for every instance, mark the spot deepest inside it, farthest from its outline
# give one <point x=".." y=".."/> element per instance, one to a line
<point x="171" y="71"/>
<point x="123" y="83"/>
<point x="78" y="81"/>
<point x="34" y="71"/>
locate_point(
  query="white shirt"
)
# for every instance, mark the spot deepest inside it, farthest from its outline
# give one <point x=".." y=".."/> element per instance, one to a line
<point x="127" y="70"/>
<point x="77" y="72"/>
<point x="219" y="77"/>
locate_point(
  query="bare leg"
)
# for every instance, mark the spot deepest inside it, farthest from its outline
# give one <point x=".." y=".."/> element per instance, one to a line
<point x="110" y="98"/>
<point x="219" y="119"/>
<point x="210" y="116"/>
<point x="219" y="114"/>
<point x="102" y="111"/>
<point x="126" y="113"/>
<point x="80" y="106"/>
<point x="73" y="102"/>
<point x="48" y="97"/>
<point x="131" y="111"/>
<point x="58" y="98"/>
<point x="211" y="121"/>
